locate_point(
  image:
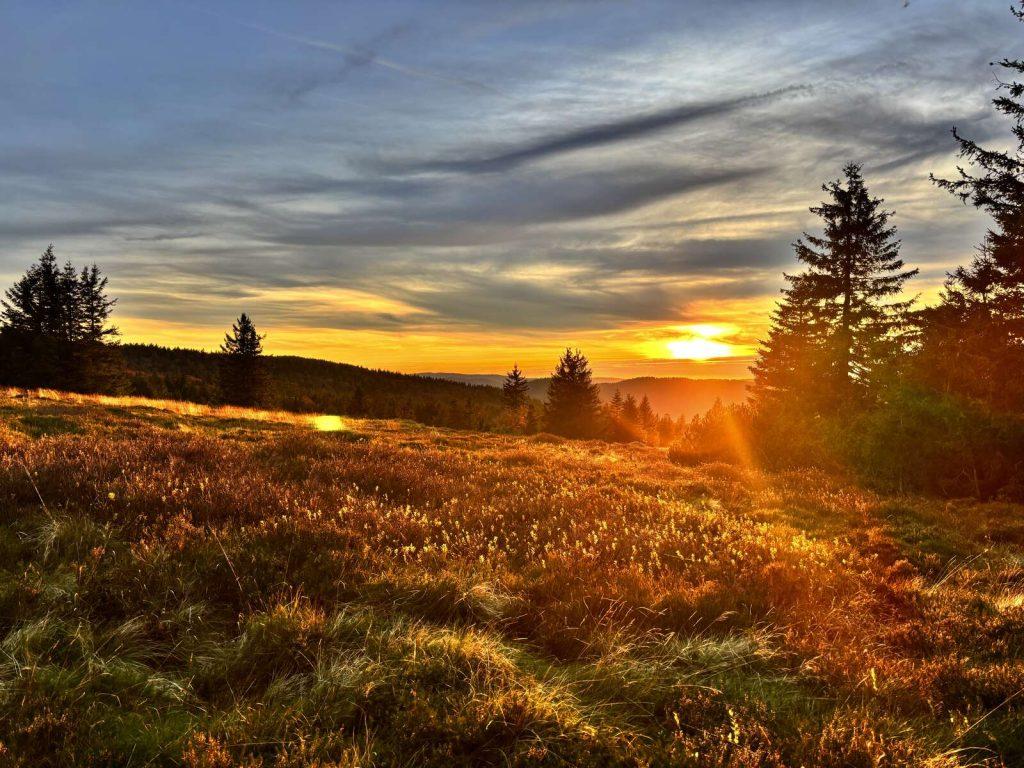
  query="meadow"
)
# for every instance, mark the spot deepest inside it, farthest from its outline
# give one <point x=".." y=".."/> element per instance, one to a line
<point x="187" y="585"/>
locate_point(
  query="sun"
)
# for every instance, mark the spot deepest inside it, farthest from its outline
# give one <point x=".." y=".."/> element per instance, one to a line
<point x="700" y="342"/>
<point x="698" y="349"/>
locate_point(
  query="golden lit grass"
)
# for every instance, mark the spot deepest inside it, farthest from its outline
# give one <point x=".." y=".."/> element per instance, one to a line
<point x="37" y="397"/>
<point x="216" y="588"/>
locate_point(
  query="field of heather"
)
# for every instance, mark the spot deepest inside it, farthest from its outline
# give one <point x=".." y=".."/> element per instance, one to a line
<point x="202" y="587"/>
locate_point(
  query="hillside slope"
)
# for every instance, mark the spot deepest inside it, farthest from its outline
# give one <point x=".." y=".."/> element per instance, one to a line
<point x="304" y="384"/>
<point x="676" y="396"/>
<point x="680" y="396"/>
<point x="212" y="587"/>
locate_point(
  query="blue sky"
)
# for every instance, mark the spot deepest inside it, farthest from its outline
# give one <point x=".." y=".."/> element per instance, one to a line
<point x="450" y="185"/>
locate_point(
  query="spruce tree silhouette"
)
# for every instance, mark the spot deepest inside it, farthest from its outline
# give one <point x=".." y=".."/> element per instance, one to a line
<point x="840" y="328"/>
<point x="972" y="343"/>
<point x="515" y="393"/>
<point x="573" y="407"/>
<point x="54" y="329"/>
<point x="243" y="379"/>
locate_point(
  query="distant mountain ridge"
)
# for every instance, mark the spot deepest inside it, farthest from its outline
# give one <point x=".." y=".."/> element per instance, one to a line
<point x="491" y="379"/>
<point x="676" y="396"/>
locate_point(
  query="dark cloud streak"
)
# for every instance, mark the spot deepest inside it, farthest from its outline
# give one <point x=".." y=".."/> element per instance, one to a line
<point x="606" y="133"/>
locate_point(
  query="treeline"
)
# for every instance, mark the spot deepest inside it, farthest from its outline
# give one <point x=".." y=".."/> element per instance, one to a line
<point x="55" y="333"/>
<point x="851" y="375"/>
<point x="316" y="386"/>
<point x="574" y="408"/>
<point x="54" y="328"/>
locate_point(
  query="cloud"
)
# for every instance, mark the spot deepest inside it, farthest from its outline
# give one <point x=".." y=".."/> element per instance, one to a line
<point x="480" y="212"/>
<point x="164" y="237"/>
<point x="605" y="133"/>
<point x="208" y="183"/>
<point x="357" y="56"/>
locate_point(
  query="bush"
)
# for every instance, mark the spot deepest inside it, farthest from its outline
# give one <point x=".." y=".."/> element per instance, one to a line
<point x="780" y="437"/>
<point x="916" y="441"/>
<point x="920" y="440"/>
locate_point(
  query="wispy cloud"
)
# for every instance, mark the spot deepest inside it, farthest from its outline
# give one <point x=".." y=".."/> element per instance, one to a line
<point x="356" y="56"/>
<point x="606" y="133"/>
<point x="640" y="171"/>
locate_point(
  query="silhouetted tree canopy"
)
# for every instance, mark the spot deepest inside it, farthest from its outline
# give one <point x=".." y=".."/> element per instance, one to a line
<point x="243" y="379"/>
<point x="839" y="328"/>
<point x="574" y="406"/>
<point x="55" y="331"/>
<point x="972" y="343"/>
<point x="515" y="391"/>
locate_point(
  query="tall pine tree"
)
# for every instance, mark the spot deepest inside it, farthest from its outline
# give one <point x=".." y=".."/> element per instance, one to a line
<point x="791" y="359"/>
<point x="840" y="326"/>
<point x="515" y="392"/>
<point x="54" y="329"/>
<point x="574" y="406"/>
<point x="243" y="380"/>
<point x="972" y="344"/>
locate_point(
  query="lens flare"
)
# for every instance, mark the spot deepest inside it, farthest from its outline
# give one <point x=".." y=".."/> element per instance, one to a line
<point x="328" y="423"/>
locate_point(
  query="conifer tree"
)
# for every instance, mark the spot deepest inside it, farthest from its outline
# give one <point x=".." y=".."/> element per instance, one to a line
<point x="666" y="430"/>
<point x="792" y="358"/>
<point x="532" y="424"/>
<point x="515" y="392"/>
<point x="242" y="376"/>
<point x="617" y="403"/>
<point x="573" y="408"/>
<point x="973" y="343"/>
<point x="845" y="301"/>
<point x="53" y="329"/>
<point x="646" y="418"/>
<point x="631" y="412"/>
<point x="95" y="307"/>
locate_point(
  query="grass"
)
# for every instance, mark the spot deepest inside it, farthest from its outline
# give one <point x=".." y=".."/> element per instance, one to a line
<point x="181" y="585"/>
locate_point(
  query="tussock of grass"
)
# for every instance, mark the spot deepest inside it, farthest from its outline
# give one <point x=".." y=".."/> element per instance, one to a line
<point x="201" y="592"/>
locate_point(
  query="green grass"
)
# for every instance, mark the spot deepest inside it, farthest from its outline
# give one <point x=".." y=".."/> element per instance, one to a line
<point x="207" y="591"/>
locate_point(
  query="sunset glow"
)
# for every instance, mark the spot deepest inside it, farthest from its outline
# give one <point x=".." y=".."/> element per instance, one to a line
<point x="476" y="208"/>
<point x="698" y="349"/>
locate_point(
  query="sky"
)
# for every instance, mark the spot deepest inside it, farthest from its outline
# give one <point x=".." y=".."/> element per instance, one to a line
<point x="457" y="185"/>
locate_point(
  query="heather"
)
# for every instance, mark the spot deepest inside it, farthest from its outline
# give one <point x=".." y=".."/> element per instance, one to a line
<point x="209" y="587"/>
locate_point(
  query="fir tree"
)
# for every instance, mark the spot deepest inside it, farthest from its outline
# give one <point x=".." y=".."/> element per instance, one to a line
<point x="973" y="343"/>
<point x="631" y="413"/>
<point x="617" y="403"/>
<point x="792" y="358"/>
<point x="515" y="392"/>
<point x="95" y="307"/>
<point x="844" y="301"/>
<point x="53" y="329"/>
<point x="532" y="424"/>
<point x="646" y="418"/>
<point x="666" y="430"/>
<point x="242" y="375"/>
<point x="573" y="407"/>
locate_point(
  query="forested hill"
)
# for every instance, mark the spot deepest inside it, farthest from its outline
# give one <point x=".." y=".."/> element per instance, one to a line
<point x="680" y="396"/>
<point x="676" y="396"/>
<point x="304" y="384"/>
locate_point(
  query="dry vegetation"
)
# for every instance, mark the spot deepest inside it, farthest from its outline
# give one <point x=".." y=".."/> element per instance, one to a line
<point x="203" y="588"/>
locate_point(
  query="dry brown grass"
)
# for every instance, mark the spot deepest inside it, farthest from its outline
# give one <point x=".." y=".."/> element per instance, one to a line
<point x="215" y="587"/>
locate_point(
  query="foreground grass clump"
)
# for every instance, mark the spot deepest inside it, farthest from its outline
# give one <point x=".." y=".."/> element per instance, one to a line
<point x="197" y="588"/>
